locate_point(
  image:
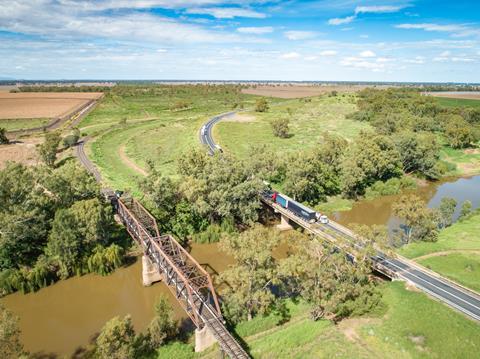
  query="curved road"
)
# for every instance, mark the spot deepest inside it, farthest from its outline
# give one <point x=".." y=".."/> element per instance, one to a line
<point x="448" y="292"/>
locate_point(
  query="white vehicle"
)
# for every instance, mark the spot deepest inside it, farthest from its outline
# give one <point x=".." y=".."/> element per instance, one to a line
<point x="218" y="148"/>
<point x="322" y="218"/>
<point x="203" y="130"/>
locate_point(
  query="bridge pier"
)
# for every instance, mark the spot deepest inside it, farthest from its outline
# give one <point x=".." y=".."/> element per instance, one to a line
<point x="150" y="274"/>
<point x="284" y="223"/>
<point x="203" y="339"/>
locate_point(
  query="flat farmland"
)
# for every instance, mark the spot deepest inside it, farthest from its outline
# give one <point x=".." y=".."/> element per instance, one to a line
<point x="34" y="105"/>
<point x="287" y="91"/>
<point x="465" y="95"/>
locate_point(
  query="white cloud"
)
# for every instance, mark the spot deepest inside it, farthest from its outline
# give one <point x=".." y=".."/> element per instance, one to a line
<point x="462" y="59"/>
<point x="445" y="54"/>
<point x="341" y="20"/>
<point x="290" y="55"/>
<point x="417" y="60"/>
<point x="454" y="29"/>
<point x="226" y="12"/>
<point x="364" y="36"/>
<point x="367" y="53"/>
<point x="299" y="35"/>
<point x="377" y="9"/>
<point x="310" y="58"/>
<point x="364" y="10"/>
<point x="161" y="50"/>
<point x="360" y="63"/>
<point x="255" y="30"/>
<point x="328" y="53"/>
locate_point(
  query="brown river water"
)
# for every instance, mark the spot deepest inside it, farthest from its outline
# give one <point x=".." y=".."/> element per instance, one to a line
<point x="65" y="316"/>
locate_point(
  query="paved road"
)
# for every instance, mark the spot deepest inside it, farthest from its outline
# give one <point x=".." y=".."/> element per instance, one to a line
<point x="454" y="295"/>
<point x="206" y="132"/>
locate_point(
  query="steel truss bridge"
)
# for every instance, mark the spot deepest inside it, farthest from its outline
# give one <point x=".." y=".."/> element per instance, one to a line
<point x="189" y="282"/>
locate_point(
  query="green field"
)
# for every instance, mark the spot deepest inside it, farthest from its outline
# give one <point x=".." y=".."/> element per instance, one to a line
<point x="457" y="249"/>
<point x="411" y="326"/>
<point x="307" y="122"/>
<point x="142" y="123"/>
<point x="23" y="123"/>
<point x="456" y="102"/>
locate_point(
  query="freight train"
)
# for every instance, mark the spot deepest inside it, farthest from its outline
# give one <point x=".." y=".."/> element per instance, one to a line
<point x="297" y="208"/>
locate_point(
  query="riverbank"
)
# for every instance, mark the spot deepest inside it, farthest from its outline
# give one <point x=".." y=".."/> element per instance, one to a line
<point x="409" y="325"/>
<point x="456" y="254"/>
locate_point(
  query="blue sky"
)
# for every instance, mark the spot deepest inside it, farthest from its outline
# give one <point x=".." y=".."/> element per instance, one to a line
<point x="423" y="40"/>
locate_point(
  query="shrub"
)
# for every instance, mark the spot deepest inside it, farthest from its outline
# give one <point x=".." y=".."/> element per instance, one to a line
<point x="280" y="127"/>
<point x="261" y="105"/>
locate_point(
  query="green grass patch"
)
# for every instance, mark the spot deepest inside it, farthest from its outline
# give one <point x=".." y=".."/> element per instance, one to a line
<point x="457" y="102"/>
<point x="334" y="204"/>
<point x="176" y="350"/>
<point x="463" y="268"/>
<point x="462" y="235"/>
<point x="307" y="121"/>
<point x="23" y="123"/>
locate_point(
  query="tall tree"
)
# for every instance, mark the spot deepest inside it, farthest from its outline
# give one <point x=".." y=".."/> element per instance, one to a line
<point x="370" y="158"/>
<point x="116" y="339"/>
<point x="248" y="282"/>
<point x="163" y="326"/>
<point x="325" y="278"/>
<point x="446" y="210"/>
<point x="48" y="149"/>
<point x="418" y="220"/>
<point x="466" y="209"/>
<point x="459" y="132"/>
<point x="220" y="187"/>
<point x="309" y="179"/>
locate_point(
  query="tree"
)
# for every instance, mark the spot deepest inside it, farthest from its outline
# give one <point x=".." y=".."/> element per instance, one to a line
<point x="466" y="209"/>
<point x="248" y="282"/>
<point x="331" y="150"/>
<point x="309" y="179"/>
<point x="76" y="231"/>
<point x="48" y="149"/>
<point x="327" y="280"/>
<point x="419" y="221"/>
<point x="369" y="159"/>
<point x="164" y="194"/>
<point x="458" y="132"/>
<point x="3" y="136"/>
<point x="261" y="105"/>
<point x="219" y="187"/>
<point x="419" y="153"/>
<point x="10" y="345"/>
<point x="446" y="211"/>
<point x="280" y="127"/>
<point x="116" y="339"/>
<point x="266" y="164"/>
<point x="163" y="326"/>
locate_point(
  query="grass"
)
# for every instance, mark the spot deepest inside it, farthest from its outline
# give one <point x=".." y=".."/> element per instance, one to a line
<point x="411" y="326"/>
<point x="140" y="121"/>
<point x="335" y="204"/>
<point x="458" y="245"/>
<point x="466" y="163"/>
<point x="457" y="102"/>
<point x="307" y="121"/>
<point x="463" y="268"/>
<point x="23" y="123"/>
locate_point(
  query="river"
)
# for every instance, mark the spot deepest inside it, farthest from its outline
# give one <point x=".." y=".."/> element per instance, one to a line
<point x="62" y="317"/>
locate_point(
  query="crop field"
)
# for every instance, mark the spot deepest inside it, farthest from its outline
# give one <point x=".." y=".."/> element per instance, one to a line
<point x="459" y="102"/>
<point x="409" y="325"/>
<point x="41" y="105"/>
<point x="289" y="91"/>
<point x="133" y="126"/>
<point x="466" y="95"/>
<point x="307" y="121"/>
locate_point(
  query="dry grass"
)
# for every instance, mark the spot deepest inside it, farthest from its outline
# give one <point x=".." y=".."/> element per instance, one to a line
<point x="298" y="91"/>
<point x="22" y="152"/>
<point x="42" y="105"/>
<point x="460" y="95"/>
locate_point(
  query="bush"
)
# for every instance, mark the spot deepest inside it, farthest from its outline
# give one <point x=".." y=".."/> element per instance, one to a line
<point x="390" y="187"/>
<point x="70" y="140"/>
<point x="280" y="127"/>
<point x="3" y="136"/>
<point x="261" y="105"/>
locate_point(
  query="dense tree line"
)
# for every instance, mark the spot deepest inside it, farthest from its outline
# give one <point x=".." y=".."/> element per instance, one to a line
<point x="54" y="223"/>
